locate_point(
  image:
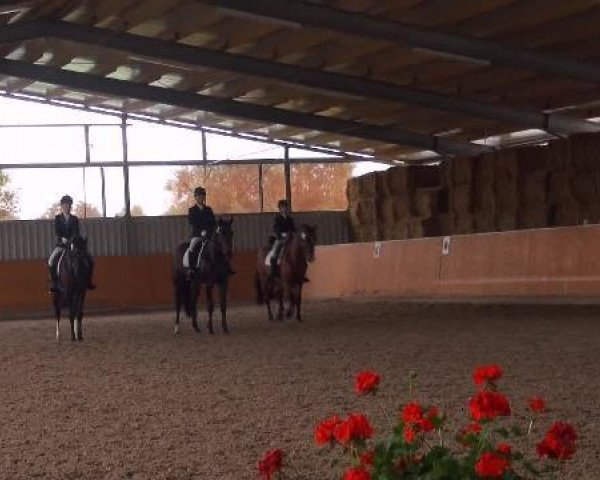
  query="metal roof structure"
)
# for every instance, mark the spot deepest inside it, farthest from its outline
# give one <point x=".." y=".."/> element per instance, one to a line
<point x="375" y="78"/>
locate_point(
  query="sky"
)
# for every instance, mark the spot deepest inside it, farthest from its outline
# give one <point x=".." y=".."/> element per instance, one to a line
<point x="38" y="189"/>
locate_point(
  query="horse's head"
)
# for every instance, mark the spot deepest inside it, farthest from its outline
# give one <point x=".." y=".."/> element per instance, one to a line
<point x="224" y="235"/>
<point x="308" y="238"/>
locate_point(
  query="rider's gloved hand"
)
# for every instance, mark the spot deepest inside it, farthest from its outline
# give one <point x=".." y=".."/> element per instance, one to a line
<point x="203" y="233"/>
<point x="64" y="240"/>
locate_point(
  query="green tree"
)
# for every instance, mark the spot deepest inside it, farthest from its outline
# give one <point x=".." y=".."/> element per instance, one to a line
<point x="9" y="201"/>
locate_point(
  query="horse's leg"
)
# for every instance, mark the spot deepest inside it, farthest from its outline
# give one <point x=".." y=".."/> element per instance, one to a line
<point x="80" y="322"/>
<point x="280" y="300"/>
<point x="210" y="306"/>
<point x="266" y="294"/>
<point x="298" y="301"/>
<point x="290" y="295"/>
<point x="56" y="303"/>
<point x="178" y="302"/>
<point x="194" y="293"/>
<point x="72" y="313"/>
<point x="223" y="304"/>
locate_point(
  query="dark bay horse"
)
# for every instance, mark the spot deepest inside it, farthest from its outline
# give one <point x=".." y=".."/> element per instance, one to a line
<point x="73" y="276"/>
<point x="211" y="271"/>
<point x="297" y="254"/>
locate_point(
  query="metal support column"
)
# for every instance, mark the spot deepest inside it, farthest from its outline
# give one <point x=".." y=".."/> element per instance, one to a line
<point x="88" y="159"/>
<point x="261" y="192"/>
<point x="125" y="166"/>
<point x="204" y="155"/>
<point x="103" y="188"/>
<point x="288" y="177"/>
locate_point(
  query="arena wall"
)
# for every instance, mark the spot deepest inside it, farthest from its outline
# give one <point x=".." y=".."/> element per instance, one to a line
<point x="547" y="263"/>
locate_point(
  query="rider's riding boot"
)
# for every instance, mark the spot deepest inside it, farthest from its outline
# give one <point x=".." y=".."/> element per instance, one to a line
<point x="274" y="268"/>
<point x="53" y="288"/>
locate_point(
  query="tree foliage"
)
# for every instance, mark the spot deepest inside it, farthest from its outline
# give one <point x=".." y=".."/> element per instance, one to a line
<point x="236" y="190"/>
<point x="9" y="200"/>
<point x="80" y="209"/>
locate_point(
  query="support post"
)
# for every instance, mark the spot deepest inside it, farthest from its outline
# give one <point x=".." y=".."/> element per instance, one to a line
<point x="103" y="187"/>
<point x="288" y="177"/>
<point x="125" y="166"/>
<point x="261" y="192"/>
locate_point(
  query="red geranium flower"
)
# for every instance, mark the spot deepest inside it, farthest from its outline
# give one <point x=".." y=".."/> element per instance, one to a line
<point x="424" y="425"/>
<point x="504" y="449"/>
<point x="357" y="474"/>
<point x="412" y="412"/>
<point x="537" y="404"/>
<point x="367" y="458"/>
<point x="559" y="442"/>
<point x="355" y="427"/>
<point x="409" y="434"/>
<point x="270" y="464"/>
<point x="489" y="405"/>
<point x="366" y="382"/>
<point x="487" y="373"/>
<point x="491" y="465"/>
<point x="324" y="432"/>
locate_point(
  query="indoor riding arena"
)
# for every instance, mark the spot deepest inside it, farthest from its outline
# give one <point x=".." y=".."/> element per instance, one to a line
<point x="447" y="155"/>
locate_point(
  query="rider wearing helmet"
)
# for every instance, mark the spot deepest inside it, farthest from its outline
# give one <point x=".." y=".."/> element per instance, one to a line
<point x="203" y="223"/>
<point x="283" y="228"/>
<point x="66" y="227"/>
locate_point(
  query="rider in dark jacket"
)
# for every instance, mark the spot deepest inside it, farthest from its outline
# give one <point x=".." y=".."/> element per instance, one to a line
<point x="203" y="223"/>
<point x="283" y="228"/>
<point x="66" y="227"/>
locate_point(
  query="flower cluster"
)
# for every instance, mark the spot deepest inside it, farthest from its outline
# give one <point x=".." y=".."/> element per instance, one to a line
<point x="559" y="442"/>
<point x="270" y="464"/>
<point x="412" y="452"/>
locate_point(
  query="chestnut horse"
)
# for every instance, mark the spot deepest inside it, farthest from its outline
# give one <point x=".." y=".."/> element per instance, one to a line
<point x="288" y="283"/>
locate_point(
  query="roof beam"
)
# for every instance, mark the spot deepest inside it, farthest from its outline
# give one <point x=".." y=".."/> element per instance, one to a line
<point x="311" y="78"/>
<point x="300" y="13"/>
<point x="231" y="108"/>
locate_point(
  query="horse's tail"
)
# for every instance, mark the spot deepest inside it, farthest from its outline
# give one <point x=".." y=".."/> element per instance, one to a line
<point x="258" y="289"/>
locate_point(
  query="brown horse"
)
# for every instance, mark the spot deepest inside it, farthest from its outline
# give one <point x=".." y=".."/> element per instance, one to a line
<point x="297" y="254"/>
<point x="212" y="270"/>
<point x="73" y="277"/>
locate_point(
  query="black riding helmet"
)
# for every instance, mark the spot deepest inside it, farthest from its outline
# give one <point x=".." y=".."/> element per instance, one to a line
<point x="199" y="191"/>
<point x="66" y="199"/>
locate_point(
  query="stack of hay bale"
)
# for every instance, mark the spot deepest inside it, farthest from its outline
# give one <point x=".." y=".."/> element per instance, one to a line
<point x="584" y="202"/>
<point x="458" y="217"/>
<point x="557" y="184"/>
<point x="399" y="203"/>
<point x="505" y="189"/>
<point x="533" y="168"/>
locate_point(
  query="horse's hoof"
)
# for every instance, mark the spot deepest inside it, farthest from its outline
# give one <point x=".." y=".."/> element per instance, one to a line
<point x="80" y="339"/>
<point x="73" y="339"/>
